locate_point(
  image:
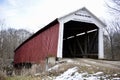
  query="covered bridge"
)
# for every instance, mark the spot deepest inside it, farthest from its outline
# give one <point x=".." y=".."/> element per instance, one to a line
<point x="78" y="34"/>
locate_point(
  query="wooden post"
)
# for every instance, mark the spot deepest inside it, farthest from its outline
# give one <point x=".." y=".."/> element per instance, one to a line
<point x="101" y="45"/>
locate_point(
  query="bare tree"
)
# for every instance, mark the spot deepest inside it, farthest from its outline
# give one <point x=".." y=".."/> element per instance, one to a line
<point x="113" y="28"/>
<point x="9" y="40"/>
<point x="2" y="26"/>
<point x="115" y="5"/>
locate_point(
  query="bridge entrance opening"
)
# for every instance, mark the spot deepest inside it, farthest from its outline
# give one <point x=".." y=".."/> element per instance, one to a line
<point x="80" y="39"/>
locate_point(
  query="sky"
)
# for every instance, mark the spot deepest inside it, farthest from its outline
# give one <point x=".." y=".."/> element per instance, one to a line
<point x="32" y="15"/>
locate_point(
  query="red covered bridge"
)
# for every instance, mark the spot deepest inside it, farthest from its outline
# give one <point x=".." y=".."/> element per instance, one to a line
<point x="78" y="34"/>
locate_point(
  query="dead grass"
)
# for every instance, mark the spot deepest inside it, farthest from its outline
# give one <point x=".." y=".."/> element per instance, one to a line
<point x="2" y="76"/>
<point x="23" y="78"/>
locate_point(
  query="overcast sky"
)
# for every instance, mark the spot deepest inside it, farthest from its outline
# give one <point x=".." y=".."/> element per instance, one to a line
<point x="34" y="14"/>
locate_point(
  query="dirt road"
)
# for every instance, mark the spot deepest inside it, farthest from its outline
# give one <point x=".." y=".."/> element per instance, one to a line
<point x="102" y="63"/>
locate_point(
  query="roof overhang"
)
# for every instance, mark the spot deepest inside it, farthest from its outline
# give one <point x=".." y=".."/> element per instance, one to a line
<point x="82" y="15"/>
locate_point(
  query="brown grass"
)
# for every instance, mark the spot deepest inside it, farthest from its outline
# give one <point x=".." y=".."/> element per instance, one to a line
<point x="2" y="76"/>
<point x="23" y="78"/>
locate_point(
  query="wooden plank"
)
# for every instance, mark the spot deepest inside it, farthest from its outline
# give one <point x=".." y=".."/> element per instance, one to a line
<point x="93" y="41"/>
<point x="85" y="43"/>
<point x="79" y="45"/>
<point x="70" y="48"/>
<point x="74" y="48"/>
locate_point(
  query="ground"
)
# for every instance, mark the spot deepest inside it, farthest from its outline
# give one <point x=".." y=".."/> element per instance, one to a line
<point x="81" y="69"/>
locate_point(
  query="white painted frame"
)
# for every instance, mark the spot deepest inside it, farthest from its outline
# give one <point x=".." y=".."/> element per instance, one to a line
<point x="93" y="20"/>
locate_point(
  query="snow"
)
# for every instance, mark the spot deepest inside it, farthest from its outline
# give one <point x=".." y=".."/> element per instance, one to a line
<point x="70" y="74"/>
<point x="116" y="79"/>
<point x="115" y="74"/>
<point x="73" y="74"/>
<point x="37" y="74"/>
<point x="69" y="61"/>
<point x="54" y="68"/>
<point x="67" y="75"/>
<point x="98" y="74"/>
<point x="87" y="65"/>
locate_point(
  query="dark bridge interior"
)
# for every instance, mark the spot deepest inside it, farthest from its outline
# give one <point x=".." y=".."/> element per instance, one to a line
<point x="80" y="39"/>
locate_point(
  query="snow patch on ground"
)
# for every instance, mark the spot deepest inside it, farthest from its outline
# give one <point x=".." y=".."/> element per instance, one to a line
<point x="73" y="74"/>
<point x="54" y="68"/>
<point x="87" y="65"/>
<point x="70" y="74"/>
<point x="69" y="61"/>
<point x="98" y="74"/>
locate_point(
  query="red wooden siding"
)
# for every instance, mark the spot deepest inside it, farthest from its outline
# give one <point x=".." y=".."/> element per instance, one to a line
<point x="39" y="47"/>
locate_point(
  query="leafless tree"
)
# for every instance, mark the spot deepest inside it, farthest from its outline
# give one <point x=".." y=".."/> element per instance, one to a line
<point x="9" y="40"/>
<point x="115" y="5"/>
<point x="113" y="28"/>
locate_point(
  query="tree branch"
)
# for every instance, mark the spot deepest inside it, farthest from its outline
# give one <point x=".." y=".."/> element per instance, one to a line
<point x="112" y="7"/>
